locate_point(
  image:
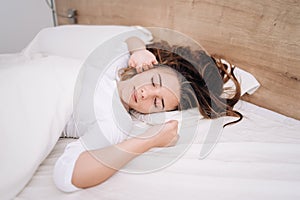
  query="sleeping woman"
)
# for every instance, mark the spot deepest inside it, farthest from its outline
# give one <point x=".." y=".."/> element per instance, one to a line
<point x="159" y="78"/>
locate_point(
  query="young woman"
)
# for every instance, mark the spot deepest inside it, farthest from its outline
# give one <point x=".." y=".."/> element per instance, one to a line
<point x="159" y="78"/>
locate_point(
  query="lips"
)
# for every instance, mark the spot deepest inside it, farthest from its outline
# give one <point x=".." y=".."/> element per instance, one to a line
<point x="134" y="95"/>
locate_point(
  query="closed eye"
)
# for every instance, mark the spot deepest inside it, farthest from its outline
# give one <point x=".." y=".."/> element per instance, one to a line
<point x="158" y="82"/>
<point x="155" y="99"/>
<point x="152" y="82"/>
<point x="155" y="102"/>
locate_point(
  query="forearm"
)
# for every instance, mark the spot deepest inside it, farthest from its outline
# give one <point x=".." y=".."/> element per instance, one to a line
<point x="135" y="44"/>
<point x="94" y="167"/>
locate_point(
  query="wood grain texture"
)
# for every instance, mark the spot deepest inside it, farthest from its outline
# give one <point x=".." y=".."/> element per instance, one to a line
<point x="260" y="36"/>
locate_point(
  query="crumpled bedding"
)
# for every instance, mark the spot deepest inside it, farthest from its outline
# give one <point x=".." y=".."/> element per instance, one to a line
<point x="257" y="158"/>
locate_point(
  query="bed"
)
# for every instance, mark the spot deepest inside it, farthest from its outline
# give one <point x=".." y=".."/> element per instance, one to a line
<point x="257" y="158"/>
<point x="252" y="160"/>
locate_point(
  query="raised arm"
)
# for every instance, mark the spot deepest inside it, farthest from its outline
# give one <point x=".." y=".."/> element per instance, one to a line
<point x="89" y="169"/>
<point x="140" y="58"/>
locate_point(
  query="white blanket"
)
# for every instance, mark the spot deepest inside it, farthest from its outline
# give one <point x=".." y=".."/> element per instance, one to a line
<point x="36" y="101"/>
<point x="36" y="96"/>
<point x="255" y="159"/>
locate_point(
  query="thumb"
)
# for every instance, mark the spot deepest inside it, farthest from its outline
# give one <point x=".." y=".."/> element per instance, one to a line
<point x="131" y="63"/>
<point x="154" y="62"/>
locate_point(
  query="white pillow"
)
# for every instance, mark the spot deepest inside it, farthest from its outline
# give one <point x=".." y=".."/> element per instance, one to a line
<point x="248" y="82"/>
<point x="78" y="41"/>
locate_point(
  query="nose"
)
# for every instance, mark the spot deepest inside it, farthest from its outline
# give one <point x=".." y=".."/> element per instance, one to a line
<point x="147" y="93"/>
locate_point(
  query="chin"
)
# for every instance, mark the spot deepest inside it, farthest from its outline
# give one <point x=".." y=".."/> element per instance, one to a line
<point x="140" y="111"/>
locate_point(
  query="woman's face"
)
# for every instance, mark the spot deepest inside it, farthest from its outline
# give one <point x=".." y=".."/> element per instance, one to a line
<point x="154" y="90"/>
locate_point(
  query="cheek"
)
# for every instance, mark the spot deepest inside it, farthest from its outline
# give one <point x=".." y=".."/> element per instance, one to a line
<point x="146" y="107"/>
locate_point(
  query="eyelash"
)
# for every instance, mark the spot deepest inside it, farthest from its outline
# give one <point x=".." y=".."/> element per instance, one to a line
<point x="155" y="99"/>
<point x="152" y="82"/>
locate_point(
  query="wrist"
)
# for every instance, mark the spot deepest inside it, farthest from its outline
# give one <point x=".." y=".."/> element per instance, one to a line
<point x="135" y="44"/>
<point x="150" y="136"/>
<point x="137" y="50"/>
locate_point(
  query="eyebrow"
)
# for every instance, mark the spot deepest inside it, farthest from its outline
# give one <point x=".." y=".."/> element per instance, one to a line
<point x="159" y="78"/>
<point x="162" y="100"/>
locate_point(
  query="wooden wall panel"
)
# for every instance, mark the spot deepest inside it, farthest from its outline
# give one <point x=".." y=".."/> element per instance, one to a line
<point x="260" y="36"/>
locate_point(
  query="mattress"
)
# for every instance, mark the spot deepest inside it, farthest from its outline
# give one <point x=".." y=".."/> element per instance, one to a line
<point x="258" y="158"/>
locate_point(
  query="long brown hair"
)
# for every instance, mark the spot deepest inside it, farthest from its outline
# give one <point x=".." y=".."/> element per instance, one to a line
<point x="204" y="79"/>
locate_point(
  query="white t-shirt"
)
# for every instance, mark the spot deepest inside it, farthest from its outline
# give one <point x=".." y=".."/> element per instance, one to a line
<point x="113" y="120"/>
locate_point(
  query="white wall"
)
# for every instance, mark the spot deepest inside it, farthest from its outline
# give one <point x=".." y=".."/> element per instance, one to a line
<point x="20" y="21"/>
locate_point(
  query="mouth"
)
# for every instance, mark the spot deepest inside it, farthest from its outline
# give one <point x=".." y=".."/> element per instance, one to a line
<point x="134" y="95"/>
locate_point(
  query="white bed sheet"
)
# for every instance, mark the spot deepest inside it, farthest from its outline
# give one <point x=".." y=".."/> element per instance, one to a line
<point x="258" y="158"/>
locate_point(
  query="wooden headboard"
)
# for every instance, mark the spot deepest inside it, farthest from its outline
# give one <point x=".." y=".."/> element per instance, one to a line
<point x="260" y="36"/>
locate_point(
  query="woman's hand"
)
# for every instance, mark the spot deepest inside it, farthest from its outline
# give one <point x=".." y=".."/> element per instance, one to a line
<point x="164" y="135"/>
<point x="142" y="60"/>
<point x="88" y="171"/>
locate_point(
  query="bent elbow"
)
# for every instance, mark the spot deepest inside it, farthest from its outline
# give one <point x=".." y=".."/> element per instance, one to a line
<point x="88" y="172"/>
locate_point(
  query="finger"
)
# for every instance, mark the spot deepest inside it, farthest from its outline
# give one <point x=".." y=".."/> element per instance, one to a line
<point x="154" y="62"/>
<point x="150" y="65"/>
<point x="131" y="63"/>
<point x="176" y="138"/>
<point x="174" y="141"/>
<point x="139" y="69"/>
<point x="146" y="66"/>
